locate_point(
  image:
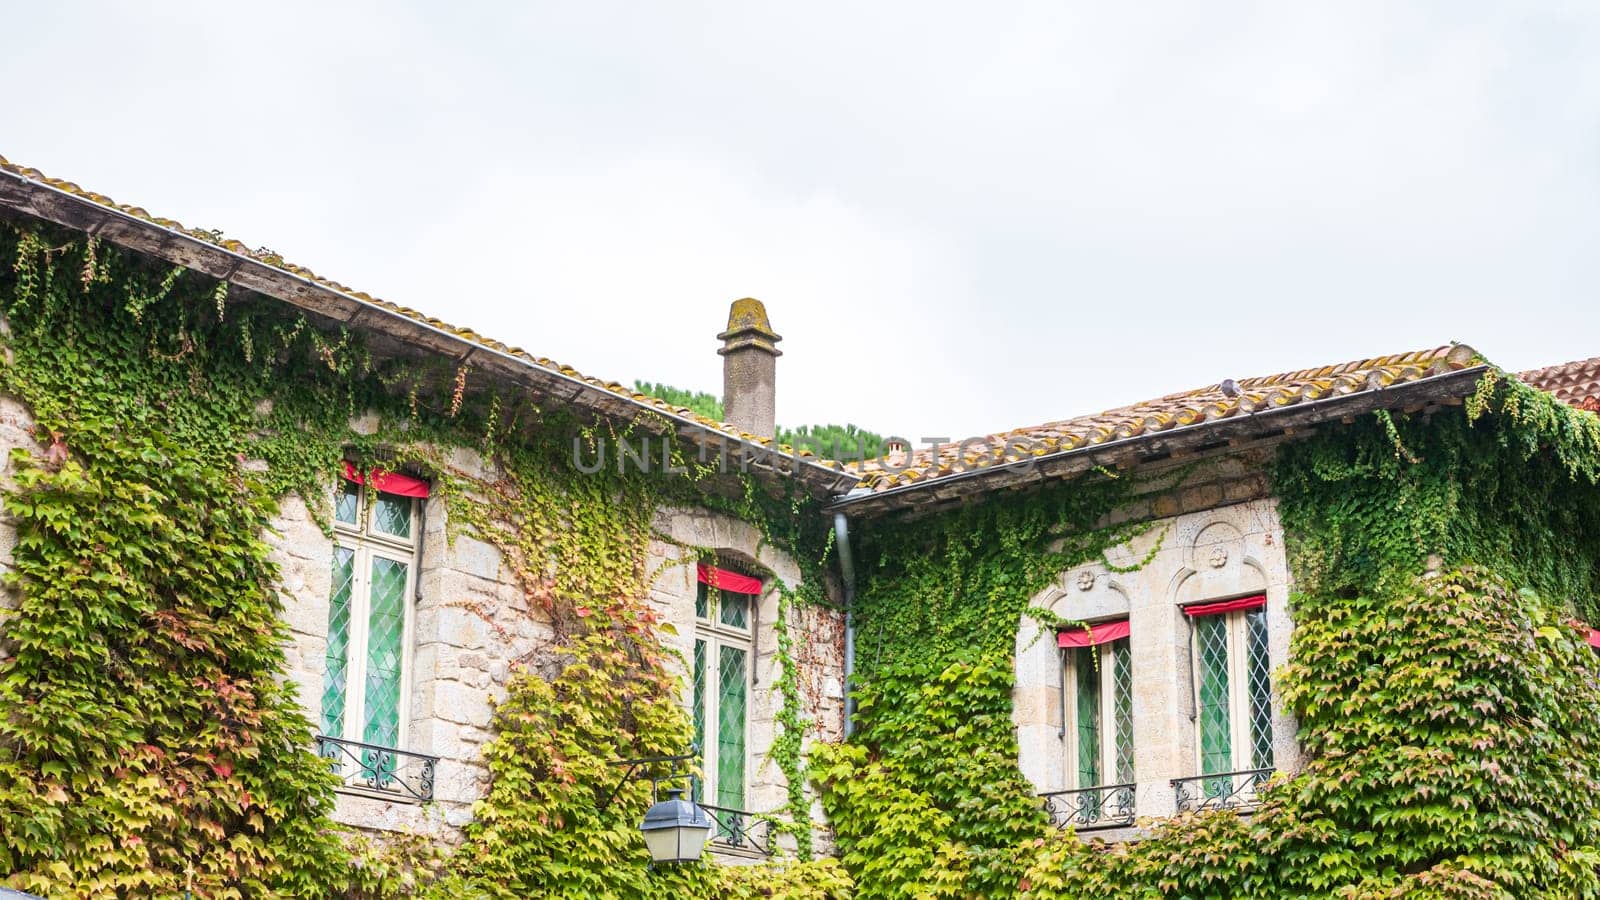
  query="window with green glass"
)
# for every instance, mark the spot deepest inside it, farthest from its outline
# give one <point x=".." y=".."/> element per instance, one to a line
<point x="1100" y="714"/>
<point x="1233" y="692"/>
<point x="724" y="649"/>
<point x="733" y="683"/>
<point x="364" y="687"/>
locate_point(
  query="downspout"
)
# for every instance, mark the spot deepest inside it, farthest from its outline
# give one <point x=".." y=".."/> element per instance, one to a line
<point x="847" y="574"/>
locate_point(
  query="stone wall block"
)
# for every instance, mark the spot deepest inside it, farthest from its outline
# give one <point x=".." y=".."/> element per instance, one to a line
<point x="475" y="557"/>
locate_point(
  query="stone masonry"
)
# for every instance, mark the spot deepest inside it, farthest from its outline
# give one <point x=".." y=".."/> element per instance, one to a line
<point x="471" y="623"/>
<point x="1213" y="552"/>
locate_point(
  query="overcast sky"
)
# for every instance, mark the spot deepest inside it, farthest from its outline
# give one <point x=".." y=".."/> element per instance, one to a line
<point x="961" y="217"/>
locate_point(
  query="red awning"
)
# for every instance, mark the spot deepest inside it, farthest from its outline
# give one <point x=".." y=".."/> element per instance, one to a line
<point x="1594" y="638"/>
<point x="728" y="581"/>
<point x="388" y="482"/>
<point x="1098" y="633"/>
<point x="1225" y="606"/>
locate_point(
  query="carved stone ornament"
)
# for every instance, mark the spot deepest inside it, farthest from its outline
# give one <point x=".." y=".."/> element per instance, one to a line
<point x="1086" y="581"/>
<point x="1219" y="557"/>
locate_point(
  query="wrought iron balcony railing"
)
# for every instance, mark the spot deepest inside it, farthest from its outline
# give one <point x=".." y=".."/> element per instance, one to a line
<point x="1224" y="790"/>
<point x="1107" y="806"/>
<point x="739" y="830"/>
<point x="385" y="770"/>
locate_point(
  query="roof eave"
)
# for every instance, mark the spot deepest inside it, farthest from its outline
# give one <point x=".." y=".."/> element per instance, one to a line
<point x="1238" y="429"/>
<point x="44" y="201"/>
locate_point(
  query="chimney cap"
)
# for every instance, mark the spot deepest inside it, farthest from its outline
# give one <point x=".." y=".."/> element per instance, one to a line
<point x="748" y="327"/>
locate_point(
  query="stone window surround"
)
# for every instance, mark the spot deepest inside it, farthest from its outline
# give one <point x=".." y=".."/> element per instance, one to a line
<point x="1217" y="553"/>
<point x="469" y="622"/>
<point x="683" y="533"/>
<point x="309" y="587"/>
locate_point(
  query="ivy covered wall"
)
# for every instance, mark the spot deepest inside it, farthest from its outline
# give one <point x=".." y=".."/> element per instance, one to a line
<point x="148" y="744"/>
<point x="1448" y="708"/>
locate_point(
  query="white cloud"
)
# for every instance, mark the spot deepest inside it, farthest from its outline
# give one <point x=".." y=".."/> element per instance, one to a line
<point x="962" y="218"/>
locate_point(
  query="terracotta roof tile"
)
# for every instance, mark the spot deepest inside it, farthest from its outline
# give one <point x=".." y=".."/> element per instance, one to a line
<point x="1186" y="409"/>
<point x="1577" y="383"/>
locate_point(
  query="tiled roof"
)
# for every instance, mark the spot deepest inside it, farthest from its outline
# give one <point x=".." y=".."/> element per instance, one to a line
<point x="1170" y="414"/>
<point x="26" y="199"/>
<point x="34" y="193"/>
<point x="1577" y="383"/>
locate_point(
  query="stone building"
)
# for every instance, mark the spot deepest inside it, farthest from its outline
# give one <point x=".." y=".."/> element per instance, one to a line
<point x="1165" y="700"/>
<point x="401" y="639"/>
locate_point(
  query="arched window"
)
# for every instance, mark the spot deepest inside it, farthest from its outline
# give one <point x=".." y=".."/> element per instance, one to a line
<point x="725" y="608"/>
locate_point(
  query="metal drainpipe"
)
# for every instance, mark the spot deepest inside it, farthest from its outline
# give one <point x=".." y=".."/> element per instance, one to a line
<point x="847" y="573"/>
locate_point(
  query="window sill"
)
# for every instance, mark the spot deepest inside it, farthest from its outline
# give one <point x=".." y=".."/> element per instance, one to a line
<point x="399" y="799"/>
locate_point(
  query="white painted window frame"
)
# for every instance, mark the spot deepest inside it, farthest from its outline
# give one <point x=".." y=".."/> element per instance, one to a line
<point x="1108" y="714"/>
<point x="1237" y="630"/>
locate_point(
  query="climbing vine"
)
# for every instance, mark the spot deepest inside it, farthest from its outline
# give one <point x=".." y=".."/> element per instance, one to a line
<point x="148" y="742"/>
<point x="927" y="799"/>
<point x="1448" y="707"/>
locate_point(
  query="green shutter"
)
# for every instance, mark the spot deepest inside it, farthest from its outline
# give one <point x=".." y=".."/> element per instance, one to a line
<point x="336" y="671"/>
<point x="1216" y="721"/>
<point x="733" y="681"/>
<point x="385" y="650"/>
<point x="1088" y="724"/>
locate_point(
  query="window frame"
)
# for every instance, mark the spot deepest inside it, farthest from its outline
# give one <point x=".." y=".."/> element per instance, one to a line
<point x="367" y="542"/>
<point x="1241" y="719"/>
<point x="1109" y="751"/>
<point x="716" y="634"/>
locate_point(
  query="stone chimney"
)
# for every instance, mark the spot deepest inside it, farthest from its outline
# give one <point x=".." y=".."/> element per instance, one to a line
<point x="749" y="368"/>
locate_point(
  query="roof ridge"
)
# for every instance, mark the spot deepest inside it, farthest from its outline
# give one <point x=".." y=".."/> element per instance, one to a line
<point x="1411" y="357"/>
<point x="1170" y="412"/>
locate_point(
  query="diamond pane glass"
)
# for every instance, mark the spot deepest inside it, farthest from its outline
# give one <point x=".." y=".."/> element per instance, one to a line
<point x="1216" y="721"/>
<point x="347" y="503"/>
<point x="1260" y="690"/>
<point x="391" y="515"/>
<point x="735" y="609"/>
<point x="731" y="687"/>
<point x="385" y="648"/>
<point x="336" y="670"/>
<point x="698" y="706"/>
<point x="1122" y="709"/>
<point x="702" y="604"/>
<point x="1088" y="716"/>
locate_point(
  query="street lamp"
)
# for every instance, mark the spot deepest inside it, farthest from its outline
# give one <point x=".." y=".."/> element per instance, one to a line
<point x="675" y="830"/>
